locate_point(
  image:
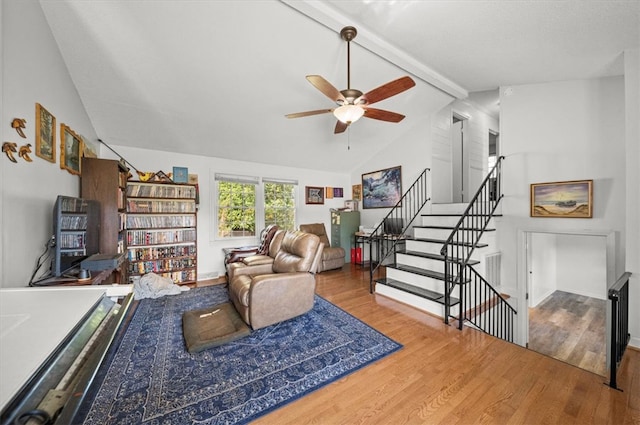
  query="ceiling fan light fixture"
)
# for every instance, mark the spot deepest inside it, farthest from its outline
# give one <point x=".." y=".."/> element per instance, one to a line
<point x="348" y="113"/>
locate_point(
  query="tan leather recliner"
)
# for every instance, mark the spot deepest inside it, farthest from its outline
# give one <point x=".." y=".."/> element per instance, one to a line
<point x="287" y="290"/>
<point x="258" y="263"/>
<point x="332" y="256"/>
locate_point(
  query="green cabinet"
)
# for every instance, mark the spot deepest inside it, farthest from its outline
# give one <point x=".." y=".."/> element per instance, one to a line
<point x="344" y="224"/>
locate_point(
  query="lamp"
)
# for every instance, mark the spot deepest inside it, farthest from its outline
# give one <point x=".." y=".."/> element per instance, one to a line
<point x="348" y="113"/>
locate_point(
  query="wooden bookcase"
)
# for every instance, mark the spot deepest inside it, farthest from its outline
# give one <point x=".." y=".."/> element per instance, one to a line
<point x="105" y="180"/>
<point x="161" y="230"/>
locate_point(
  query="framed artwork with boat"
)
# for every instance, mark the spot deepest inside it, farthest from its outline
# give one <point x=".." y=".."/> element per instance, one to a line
<point x="570" y="199"/>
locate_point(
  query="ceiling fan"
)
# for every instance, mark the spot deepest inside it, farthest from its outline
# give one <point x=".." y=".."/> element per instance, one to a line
<point x="352" y="103"/>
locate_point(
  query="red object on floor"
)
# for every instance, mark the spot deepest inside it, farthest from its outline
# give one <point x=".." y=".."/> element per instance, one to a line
<point x="358" y="255"/>
<point x="353" y="255"/>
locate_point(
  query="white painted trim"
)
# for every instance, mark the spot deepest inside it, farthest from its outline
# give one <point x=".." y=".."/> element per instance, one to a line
<point x="329" y="17"/>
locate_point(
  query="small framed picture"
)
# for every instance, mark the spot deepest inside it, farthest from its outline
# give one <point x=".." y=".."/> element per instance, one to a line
<point x="70" y="150"/>
<point x="45" y="134"/>
<point x="180" y="175"/>
<point x="338" y="192"/>
<point x="570" y="199"/>
<point x="314" y="195"/>
<point x="328" y="193"/>
<point x="356" y="192"/>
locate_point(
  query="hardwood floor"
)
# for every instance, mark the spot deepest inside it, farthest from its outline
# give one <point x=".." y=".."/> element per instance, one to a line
<point x="571" y="328"/>
<point x="443" y="375"/>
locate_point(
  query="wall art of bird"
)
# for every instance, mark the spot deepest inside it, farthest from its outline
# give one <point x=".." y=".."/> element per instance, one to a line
<point x="9" y="148"/>
<point x="24" y="152"/>
<point x="19" y="124"/>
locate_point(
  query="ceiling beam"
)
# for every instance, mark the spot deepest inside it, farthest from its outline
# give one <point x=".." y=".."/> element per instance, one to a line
<point x="324" y="14"/>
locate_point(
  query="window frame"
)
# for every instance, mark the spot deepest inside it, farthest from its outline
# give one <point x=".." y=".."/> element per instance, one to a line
<point x="259" y="206"/>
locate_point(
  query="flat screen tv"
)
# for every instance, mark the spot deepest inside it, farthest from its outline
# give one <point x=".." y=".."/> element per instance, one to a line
<point x="76" y="233"/>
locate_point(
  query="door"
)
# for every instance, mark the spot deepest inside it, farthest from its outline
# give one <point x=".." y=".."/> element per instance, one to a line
<point x="458" y="166"/>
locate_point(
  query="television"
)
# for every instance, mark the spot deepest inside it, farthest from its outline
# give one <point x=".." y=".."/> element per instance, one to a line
<point x="76" y="232"/>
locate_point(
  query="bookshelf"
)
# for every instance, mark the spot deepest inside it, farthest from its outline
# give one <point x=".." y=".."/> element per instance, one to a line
<point x="74" y="223"/>
<point x="161" y="235"/>
<point x="105" y="181"/>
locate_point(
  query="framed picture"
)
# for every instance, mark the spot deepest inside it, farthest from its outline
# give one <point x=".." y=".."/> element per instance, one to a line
<point x="570" y="199"/>
<point x="180" y="175"/>
<point x="338" y="192"/>
<point x="70" y="150"/>
<point x="45" y="134"/>
<point x="356" y="192"/>
<point x="314" y="195"/>
<point x="382" y="188"/>
<point x="328" y="192"/>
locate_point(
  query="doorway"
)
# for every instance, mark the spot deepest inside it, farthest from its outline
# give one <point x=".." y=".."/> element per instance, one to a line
<point x="566" y="303"/>
<point x="459" y="164"/>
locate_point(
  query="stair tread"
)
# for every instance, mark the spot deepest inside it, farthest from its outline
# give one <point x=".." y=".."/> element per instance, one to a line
<point x="451" y="228"/>
<point x="442" y="241"/>
<point x="457" y="215"/>
<point x="415" y="290"/>
<point x="437" y="257"/>
<point x="420" y="271"/>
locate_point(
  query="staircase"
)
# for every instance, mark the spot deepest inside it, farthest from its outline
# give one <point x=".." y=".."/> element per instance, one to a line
<point x="447" y="266"/>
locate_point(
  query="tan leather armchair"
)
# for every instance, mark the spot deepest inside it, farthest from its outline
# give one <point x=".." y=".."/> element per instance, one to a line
<point x="258" y="263"/>
<point x="332" y="256"/>
<point x="287" y="290"/>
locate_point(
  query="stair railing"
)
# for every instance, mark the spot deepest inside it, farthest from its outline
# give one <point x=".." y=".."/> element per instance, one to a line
<point x="619" y="338"/>
<point x="483" y="307"/>
<point x="466" y="234"/>
<point x="403" y="213"/>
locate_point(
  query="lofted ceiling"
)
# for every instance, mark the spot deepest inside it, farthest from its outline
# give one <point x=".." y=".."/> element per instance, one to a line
<point x="216" y="78"/>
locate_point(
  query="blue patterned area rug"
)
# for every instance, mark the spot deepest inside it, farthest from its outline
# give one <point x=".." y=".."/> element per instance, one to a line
<point x="152" y="379"/>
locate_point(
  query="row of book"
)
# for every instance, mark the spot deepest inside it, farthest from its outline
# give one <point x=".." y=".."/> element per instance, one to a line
<point x="160" y="206"/>
<point x="161" y="266"/>
<point x="71" y="240"/>
<point x="155" y="237"/>
<point x="73" y="222"/>
<point x="154" y="253"/>
<point x="160" y="221"/>
<point x="161" y="191"/>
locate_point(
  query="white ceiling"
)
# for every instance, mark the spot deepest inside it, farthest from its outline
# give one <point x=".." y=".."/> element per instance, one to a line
<point x="215" y="78"/>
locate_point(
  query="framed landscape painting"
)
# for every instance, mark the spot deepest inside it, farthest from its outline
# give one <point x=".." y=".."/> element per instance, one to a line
<point x="570" y="199"/>
<point x="382" y="188"/>
<point x="45" y="134"/>
<point x="70" y="150"/>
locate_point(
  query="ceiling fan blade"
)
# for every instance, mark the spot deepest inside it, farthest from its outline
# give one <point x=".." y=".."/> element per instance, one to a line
<point x="382" y="115"/>
<point x="387" y="90"/>
<point x="308" y="113"/>
<point x="340" y="127"/>
<point x="326" y="87"/>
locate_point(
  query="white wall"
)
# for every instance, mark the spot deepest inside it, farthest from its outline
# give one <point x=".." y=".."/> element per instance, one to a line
<point x="561" y="131"/>
<point x="632" y="127"/>
<point x="32" y="72"/>
<point x="210" y="255"/>
<point x="582" y="265"/>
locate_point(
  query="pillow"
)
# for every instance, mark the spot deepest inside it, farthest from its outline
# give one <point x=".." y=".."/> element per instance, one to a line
<point x="212" y="326"/>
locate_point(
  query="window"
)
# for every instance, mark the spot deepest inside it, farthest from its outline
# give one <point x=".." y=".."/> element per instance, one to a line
<point x="243" y="209"/>
<point x="280" y="203"/>
<point x="236" y="206"/>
